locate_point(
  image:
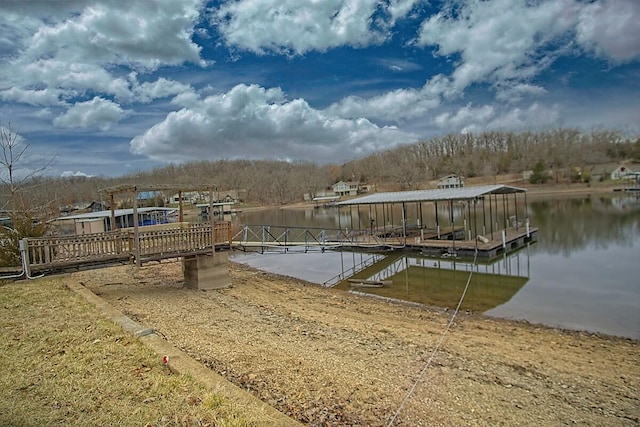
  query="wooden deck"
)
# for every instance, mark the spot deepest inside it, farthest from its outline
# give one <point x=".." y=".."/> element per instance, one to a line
<point x="67" y="252"/>
<point x="429" y="244"/>
<point x="514" y="239"/>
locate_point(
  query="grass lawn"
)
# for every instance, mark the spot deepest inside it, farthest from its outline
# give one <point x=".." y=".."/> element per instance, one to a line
<point x="63" y="364"/>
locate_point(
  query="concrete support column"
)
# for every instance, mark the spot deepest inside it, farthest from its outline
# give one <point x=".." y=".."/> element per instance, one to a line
<point x="207" y="271"/>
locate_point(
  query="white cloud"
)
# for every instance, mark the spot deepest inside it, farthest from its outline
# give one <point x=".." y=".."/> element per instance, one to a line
<point x="98" y="112"/>
<point x="475" y="119"/>
<point x="396" y="105"/>
<point x="514" y="92"/>
<point x="611" y="29"/>
<point x="536" y="116"/>
<point x="298" y="26"/>
<point x="254" y="122"/>
<point x="138" y="33"/>
<point x="400" y="65"/>
<point x="161" y="88"/>
<point x="498" y="39"/>
<point x="465" y="116"/>
<point x="67" y="52"/>
<point x="44" y="97"/>
<point x="20" y="19"/>
<point x="398" y="9"/>
<point x="69" y="174"/>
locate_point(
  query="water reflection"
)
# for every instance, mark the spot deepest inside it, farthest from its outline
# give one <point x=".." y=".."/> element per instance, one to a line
<point x="570" y="225"/>
<point x="440" y="282"/>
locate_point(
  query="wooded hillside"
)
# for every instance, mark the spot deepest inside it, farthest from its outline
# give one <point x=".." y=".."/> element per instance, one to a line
<point x="561" y="152"/>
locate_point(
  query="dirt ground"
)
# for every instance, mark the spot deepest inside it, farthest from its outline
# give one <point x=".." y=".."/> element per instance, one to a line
<point x="330" y="358"/>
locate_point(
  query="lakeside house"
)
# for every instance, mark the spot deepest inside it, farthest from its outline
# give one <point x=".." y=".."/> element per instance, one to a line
<point x="342" y="188"/>
<point x="621" y="172"/>
<point x="450" y="181"/>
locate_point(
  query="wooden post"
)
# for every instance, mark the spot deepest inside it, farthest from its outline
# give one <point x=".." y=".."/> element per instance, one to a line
<point x="181" y="213"/>
<point x="475" y="219"/>
<point x="453" y="226"/>
<point x="212" y="222"/>
<point x="437" y="221"/>
<point x="136" y="231"/>
<point x="404" y="222"/>
<point x="112" y="204"/>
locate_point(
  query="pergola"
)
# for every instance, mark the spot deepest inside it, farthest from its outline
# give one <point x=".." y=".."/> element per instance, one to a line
<point x="470" y="195"/>
<point x="137" y="189"/>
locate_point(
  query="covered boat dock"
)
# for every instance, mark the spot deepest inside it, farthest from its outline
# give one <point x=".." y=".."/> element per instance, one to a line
<point x="487" y="220"/>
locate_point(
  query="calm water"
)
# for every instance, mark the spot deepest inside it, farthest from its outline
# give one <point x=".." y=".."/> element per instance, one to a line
<point x="583" y="273"/>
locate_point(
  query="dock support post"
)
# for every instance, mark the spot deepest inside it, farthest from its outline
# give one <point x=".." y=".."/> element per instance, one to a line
<point x="504" y="240"/>
<point x="404" y="222"/>
<point x="206" y="272"/>
<point x="437" y="222"/>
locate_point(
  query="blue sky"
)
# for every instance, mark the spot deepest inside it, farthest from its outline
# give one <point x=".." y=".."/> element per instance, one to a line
<point x="118" y="86"/>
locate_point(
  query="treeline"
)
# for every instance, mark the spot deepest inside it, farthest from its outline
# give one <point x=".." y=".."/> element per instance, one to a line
<point x="267" y="182"/>
<point x="489" y="154"/>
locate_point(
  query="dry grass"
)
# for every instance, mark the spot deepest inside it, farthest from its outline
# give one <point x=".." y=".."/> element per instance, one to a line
<point x="61" y="364"/>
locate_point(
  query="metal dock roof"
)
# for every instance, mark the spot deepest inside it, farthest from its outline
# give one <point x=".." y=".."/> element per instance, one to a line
<point x="464" y="193"/>
<point x="117" y="213"/>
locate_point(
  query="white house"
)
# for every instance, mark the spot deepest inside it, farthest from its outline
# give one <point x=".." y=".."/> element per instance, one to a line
<point x="621" y="172"/>
<point x="451" y="181"/>
<point x="342" y="188"/>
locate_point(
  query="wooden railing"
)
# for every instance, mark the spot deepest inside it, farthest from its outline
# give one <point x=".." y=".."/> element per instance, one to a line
<point x="53" y="252"/>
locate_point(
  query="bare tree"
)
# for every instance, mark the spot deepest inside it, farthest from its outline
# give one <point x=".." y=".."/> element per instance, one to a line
<point x="17" y="174"/>
<point x="17" y="177"/>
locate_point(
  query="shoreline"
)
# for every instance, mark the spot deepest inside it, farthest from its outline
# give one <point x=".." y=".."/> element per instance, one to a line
<point x="327" y="357"/>
<point x="434" y="308"/>
<point x="533" y="191"/>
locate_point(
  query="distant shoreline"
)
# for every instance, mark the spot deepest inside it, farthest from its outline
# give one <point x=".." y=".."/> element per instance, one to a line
<point x="535" y="191"/>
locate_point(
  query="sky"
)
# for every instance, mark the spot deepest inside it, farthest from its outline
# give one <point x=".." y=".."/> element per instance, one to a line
<point x="114" y="87"/>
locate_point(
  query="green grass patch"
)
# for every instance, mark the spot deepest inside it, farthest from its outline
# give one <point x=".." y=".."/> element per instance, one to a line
<point x="62" y="364"/>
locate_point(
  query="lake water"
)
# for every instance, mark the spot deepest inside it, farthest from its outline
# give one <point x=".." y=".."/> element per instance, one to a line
<point x="583" y="272"/>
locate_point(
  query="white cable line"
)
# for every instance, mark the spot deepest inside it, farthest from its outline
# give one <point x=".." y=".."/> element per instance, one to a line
<point x="437" y="347"/>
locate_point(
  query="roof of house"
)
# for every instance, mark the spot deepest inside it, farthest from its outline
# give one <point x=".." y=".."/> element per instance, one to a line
<point x="450" y="176"/>
<point x="117" y="213"/>
<point x="433" y="195"/>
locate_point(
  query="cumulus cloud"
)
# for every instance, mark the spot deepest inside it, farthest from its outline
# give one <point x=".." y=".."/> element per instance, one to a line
<point x="100" y="113"/>
<point x="44" y="97"/>
<point x="476" y="119"/>
<point x="506" y="43"/>
<point x="464" y="116"/>
<point x="77" y="50"/>
<point x="611" y="29"/>
<point x="148" y="91"/>
<point x="254" y="122"/>
<point x="138" y="33"/>
<point x="69" y="174"/>
<point x="498" y="39"/>
<point x="295" y="26"/>
<point x="396" y="105"/>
